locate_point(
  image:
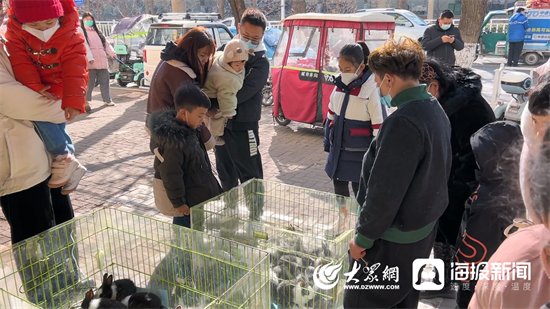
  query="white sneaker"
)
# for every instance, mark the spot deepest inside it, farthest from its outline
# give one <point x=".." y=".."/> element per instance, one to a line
<point x="62" y="170"/>
<point x="109" y="104"/>
<point x="71" y="185"/>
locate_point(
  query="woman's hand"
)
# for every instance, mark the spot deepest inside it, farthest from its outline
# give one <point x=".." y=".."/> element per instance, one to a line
<point x="184" y="210"/>
<point x="71" y="113"/>
<point x="48" y="95"/>
<point x="91" y="62"/>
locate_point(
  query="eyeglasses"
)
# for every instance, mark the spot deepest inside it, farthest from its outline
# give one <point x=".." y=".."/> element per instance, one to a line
<point x="246" y="39"/>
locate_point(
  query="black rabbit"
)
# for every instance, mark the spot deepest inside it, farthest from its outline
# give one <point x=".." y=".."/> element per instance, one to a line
<point x="117" y="290"/>
<point x="100" y="303"/>
<point x="145" y="300"/>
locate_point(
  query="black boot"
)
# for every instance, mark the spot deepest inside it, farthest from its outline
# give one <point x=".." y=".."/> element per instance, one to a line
<point x="445" y="252"/>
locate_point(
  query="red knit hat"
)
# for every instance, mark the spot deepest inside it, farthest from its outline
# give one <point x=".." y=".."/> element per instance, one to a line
<point x="30" y="11"/>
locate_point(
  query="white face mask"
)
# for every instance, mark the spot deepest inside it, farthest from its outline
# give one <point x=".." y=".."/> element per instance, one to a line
<point x="347" y="78"/>
<point x="45" y="35"/>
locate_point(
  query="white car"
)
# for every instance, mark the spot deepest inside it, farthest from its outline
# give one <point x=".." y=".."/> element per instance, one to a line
<point x="169" y="29"/>
<point x="406" y="22"/>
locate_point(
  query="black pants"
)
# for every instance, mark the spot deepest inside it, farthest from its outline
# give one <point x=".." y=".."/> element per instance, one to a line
<point x="35" y="210"/>
<point x="389" y="254"/>
<point x="239" y="159"/>
<point x="342" y="187"/>
<point x="514" y="50"/>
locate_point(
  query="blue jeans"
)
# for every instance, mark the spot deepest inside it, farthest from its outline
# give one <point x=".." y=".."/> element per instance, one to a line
<point x="55" y="137"/>
<point x="184" y="221"/>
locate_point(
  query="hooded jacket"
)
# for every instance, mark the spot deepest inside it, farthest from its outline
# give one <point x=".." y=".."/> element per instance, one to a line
<point x="249" y="98"/>
<point x="98" y="51"/>
<point x="354" y="118"/>
<point x="186" y="171"/>
<point x="497" y="201"/>
<point x="468" y="112"/>
<point x="223" y="83"/>
<point x="433" y="44"/>
<point x="24" y="161"/>
<point x="517" y="25"/>
<point x="62" y="66"/>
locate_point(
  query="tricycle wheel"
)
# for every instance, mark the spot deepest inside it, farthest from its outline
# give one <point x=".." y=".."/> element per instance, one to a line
<point x="140" y="80"/>
<point x="121" y="83"/>
<point x="531" y="58"/>
<point x="267" y="96"/>
<point x="281" y="120"/>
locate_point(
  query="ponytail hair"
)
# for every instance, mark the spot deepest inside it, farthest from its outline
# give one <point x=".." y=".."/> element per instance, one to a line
<point x="356" y="53"/>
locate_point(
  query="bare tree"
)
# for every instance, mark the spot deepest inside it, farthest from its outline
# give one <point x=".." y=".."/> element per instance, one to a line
<point x="152" y="7"/>
<point x="178" y="6"/>
<point x="471" y="20"/>
<point x="238" y="8"/>
<point x="146" y="6"/>
<point x="299" y="6"/>
<point x="221" y="8"/>
<point x="402" y="4"/>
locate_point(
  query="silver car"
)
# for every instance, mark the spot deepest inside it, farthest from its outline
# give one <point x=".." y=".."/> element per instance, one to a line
<point x="406" y="22"/>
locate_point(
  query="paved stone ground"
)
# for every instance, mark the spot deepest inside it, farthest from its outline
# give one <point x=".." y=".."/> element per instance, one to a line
<point x="113" y="145"/>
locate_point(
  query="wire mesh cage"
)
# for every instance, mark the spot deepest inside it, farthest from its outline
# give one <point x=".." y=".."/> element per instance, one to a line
<point x="183" y="267"/>
<point x="306" y="232"/>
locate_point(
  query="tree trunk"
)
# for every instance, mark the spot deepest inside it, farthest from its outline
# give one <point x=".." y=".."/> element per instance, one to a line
<point x="152" y="7"/>
<point x="146" y="6"/>
<point x="221" y="8"/>
<point x="402" y="4"/>
<point x="299" y="7"/>
<point x="178" y="6"/>
<point x="238" y="8"/>
<point x="471" y="19"/>
<point x="124" y="8"/>
<point x="254" y="3"/>
<point x="382" y="3"/>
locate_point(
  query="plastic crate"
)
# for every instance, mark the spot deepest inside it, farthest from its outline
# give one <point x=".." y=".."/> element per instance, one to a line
<point x="182" y="266"/>
<point x="302" y="229"/>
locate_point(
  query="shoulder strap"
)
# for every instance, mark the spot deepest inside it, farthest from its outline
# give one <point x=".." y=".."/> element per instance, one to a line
<point x="158" y="155"/>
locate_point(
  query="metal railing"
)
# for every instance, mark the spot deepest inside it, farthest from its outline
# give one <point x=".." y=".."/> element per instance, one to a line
<point x="106" y="26"/>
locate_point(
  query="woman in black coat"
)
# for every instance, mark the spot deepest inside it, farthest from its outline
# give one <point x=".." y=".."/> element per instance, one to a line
<point x="458" y="90"/>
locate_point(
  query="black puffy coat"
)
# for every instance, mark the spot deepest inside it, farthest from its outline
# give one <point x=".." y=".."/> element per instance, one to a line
<point x="468" y="112"/>
<point x="186" y="171"/>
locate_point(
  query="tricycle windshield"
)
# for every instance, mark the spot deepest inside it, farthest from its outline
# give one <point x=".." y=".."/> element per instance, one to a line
<point x="376" y="38"/>
<point x="336" y="39"/>
<point x="304" y="46"/>
<point x="279" y="55"/>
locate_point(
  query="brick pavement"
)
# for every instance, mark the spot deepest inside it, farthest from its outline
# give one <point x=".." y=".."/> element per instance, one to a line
<point x="113" y="145"/>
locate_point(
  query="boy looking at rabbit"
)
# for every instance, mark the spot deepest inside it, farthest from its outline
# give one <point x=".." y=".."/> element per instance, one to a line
<point x="183" y="174"/>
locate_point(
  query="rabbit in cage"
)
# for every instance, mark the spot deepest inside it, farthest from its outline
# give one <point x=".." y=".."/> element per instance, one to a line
<point x="294" y="293"/>
<point x="143" y="300"/>
<point x="100" y="303"/>
<point x="117" y="290"/>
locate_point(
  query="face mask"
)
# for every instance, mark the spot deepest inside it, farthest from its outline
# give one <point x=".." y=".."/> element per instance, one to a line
<point x="45" y="35"/>
<point x="89" y="23"/>
<point x="347" y="78"/>
<point x="446" y="27"/>
<point x="249" y="44"/>
<point x="386" y="100"/>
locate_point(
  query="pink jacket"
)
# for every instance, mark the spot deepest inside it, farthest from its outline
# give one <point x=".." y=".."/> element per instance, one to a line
<point x="527" y="245"/>
<point x="99" y="53"/>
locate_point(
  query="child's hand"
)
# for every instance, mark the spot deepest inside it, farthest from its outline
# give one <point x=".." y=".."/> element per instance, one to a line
<point x="91" y="62"/>
<point x="71" y="113"/>
<point x="184" y="210"/>
<point x="211" y="113"/>
<point x="48" y="95"/>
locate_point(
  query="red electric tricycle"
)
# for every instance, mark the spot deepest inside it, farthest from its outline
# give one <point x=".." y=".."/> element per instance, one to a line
<point x="306" y="60"/>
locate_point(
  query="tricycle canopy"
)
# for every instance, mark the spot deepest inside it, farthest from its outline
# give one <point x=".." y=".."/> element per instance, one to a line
<point x="306" y="60"/>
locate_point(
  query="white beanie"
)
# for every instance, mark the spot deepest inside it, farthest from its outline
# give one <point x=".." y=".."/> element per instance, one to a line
<point x="235" y="50"/>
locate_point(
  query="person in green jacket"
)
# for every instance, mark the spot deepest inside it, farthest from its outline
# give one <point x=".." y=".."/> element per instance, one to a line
<point x="403" y="185"/>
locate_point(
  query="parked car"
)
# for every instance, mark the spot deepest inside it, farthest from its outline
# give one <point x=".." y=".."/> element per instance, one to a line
<point x="172" y="26"/>
<point x="406" y="22"/>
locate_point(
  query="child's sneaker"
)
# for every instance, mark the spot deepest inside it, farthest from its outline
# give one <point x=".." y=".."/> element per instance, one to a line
<point x="219" y="140"/>
<point x="62" y="169"/>
<point x="71" y="185"/>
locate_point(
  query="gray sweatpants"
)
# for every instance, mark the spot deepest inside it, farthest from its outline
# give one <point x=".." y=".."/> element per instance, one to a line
<point x="103" y="76"/>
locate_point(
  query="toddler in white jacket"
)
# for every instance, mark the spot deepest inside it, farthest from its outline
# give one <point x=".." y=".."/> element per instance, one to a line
<point x="224" y="80"/>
